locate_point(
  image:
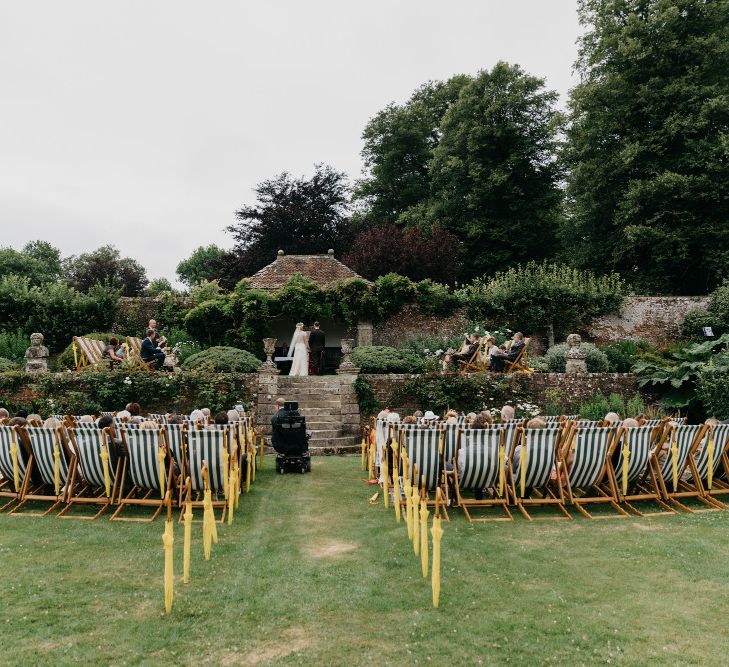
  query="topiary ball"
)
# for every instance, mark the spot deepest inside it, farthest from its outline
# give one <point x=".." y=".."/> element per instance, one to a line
<point x="222" y="359"/>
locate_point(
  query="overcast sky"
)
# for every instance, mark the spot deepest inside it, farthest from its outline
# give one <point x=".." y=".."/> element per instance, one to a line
<point x="146" y="124"/>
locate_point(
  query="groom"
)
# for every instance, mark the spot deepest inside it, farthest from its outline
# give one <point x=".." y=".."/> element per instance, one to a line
<point x="316" y="345"/>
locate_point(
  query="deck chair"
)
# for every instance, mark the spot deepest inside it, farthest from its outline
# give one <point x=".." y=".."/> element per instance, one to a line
<point x="54" y="460"/>
<point x="206" y="447"/>
<point x="681" y="441"/>
<point x="475" y="363"/>
<point x="148" y="469"/>
<point x="533" y="456"/>
<point x="176" y="435"/>
<point x="521" y="363"/>
<point x="93" y="482"/>
<point x="423" y="447"/>
<point x="13" y="465"/>
<point x="710" y="455"/>
<point x="588" y="480"/>
<point x="452" y="434"/>
<point x="633" y="476"/>
<point x="87" y="352"/>
<point x="134" y="353"/>
<point x="484" y="453"/>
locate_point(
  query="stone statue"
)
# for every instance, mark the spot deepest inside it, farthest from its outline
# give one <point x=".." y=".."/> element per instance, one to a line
<point x="575" y="357"/>
<point x="36" y="356"/>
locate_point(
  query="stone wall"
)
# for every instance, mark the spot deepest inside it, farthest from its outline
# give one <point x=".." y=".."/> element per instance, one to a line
<point x="412" y="322"/>
<point x="654" y="319"/>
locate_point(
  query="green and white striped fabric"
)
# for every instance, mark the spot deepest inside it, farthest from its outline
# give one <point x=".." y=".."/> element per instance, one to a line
<point x="571" y="418"/>
<point x="451" y="441"/>
<point x="88" y="451"/>
<point x="701" y="459"/>
<point x="509" y="429"/>
<point x="480" y="467"/>
<point x="86" y="426"/>
<point x="685" y="436"/>
<point x="652" y="422"/>
<point x="541" y="445"/>
<point x="551" y="419"/>
<point x="461" y="421"/>
<point x="423" y="448"/>
<point x="143" y="448"/>
<point x="175" y="440"/>
<point x="160" y="418"/>
<point x="43" y="442"/>
<point x="7" y="434"/>
<point x="590" y="455"/>
<point x="585" y="423"/>
<point x="206" y="446"/>
<point x="639" y="447"/>
<point x="106" y="414"/>
<point x="680" y="421"/>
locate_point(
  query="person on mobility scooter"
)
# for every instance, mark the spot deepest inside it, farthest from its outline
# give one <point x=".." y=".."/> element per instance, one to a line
<point x="290" y="439"/>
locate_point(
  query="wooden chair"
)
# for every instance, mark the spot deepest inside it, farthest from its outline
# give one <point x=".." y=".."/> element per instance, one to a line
<point x="521" y="363"/>
<point x="177" y="445"/>
<point x="532" y="459"/>
<point x="149" y="469"/>
<point x="477" y="362"/>
<point x="483" y="466"/>
<point x="12" y="465"/>
<point x="134" y="352"/>
<point x="51" y="455"/>
<point x="587" y="480"/>
<point x="711" y="456"/>
<point x="423" y="447"/>
<point x="87" y="352"/>
<point x="88" y="482"/>
<point x="633" y="475"/>
<point x="205" y="448"/>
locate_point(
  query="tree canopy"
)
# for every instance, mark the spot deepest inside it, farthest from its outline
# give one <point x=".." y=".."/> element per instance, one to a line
<point x="105" y="266"/>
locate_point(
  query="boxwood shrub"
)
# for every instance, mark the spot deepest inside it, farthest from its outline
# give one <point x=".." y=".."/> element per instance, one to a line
<point x="221" y="359"/>
<point x="382" y="359"/>
<point x="597" y="361"/>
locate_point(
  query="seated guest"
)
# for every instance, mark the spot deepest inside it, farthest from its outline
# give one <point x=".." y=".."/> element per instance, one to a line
<point x="485" y="417"/>
<point x="469" y="351"/>
<point x="150" y="352"/>
<point x="176" y="419"/>
<point x="233" y="416"/>
<point x="206" y="412"/>
<point x="117" y="444"/>
<point x="470" y="417"/>
<point x="123" y="416"/>
<point x="429" y="418"/>
<point x="498" y="361"/>
<point x="410" y="419"/>
<point x="51" y="422"/>
<point x="507" y="413"/>
<point x="149" y="426"/>
<point x="611" y="418"/>
<point x="23" y="413"/>
<point x="220" y="419"/>
<point x="4" y="414"/>
<point x="110" y="351"/>
<point x="35" y="420"/>
<point x="134" y="409"/>
<point x="452" y="417"/>
<point x="418" y="414"/>
<point x="17" y="421"/>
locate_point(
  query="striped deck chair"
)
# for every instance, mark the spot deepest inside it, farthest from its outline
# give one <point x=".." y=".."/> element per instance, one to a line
<point x="710" y="454"/>
<point x="452" y="434"/>
<point x="633" y="476"/>
<point x="587" y="480"/>
<point x="207" y="447"/>
<point x="147" y="467"/>
<point x="585" y="423"/>
<point x="679" y="442"/>
<point x="176" y="434"/>
<point x="85" y="426"/>
<point x="13" y="467"/>
<point x="93" y="482"/>
<point x="461" y="421"/>
<point x="423" y="447"/>
<point x="481" y="464"/>
<point x="157" y="417"/>
<point x="570" y="418"/>
<point x="535" y="453"/>
<point x="87" y="352"/>
<point x="679" y="421"/>
<point x="44" y="443"/>
<point x="552" y="419"/>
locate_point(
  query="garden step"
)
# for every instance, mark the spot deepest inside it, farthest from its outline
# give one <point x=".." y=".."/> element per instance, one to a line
<point x="322" y="421"/>
<point x="325" y="434"/>
<point x="334" y="414"/>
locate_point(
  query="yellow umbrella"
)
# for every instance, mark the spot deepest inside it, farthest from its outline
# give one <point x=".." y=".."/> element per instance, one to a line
<point x="226" y="468"/>
<point x="14" y="456"/>
<point x="209" y="528"/>
<point x="415" y="502"/>
<point x="188" y="537"/>
<point x="522" y="463"/>
<point x="248" y="471"/>
<point x="363" y="446"/>
<point x="56" y="466"/>
<point x="105" y="465"/>
<point x="254" y="455"/>
<point x="710" y="471"/>
<point x="674" y="460"/>
<point x="437" y="533"/>
<point x="407" y="488"/>
<point x="626" y="461"/>
<point x="168" y="540"/>
<point x="396" y="482"/>
<point x="424" y="536"/>
<point x="263" y="445"/>
<point x="371" y="460"/>
<point x="162" y="456"/>
<point x="385" y="478"/>
<point x="502" y="472"/>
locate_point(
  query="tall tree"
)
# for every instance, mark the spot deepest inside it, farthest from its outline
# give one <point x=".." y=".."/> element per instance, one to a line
<point x="648" y="143"/>
<point x="105" y="266"/>
<point x="296" y="215"/>
<point x="205" y="263"/>
<point x="38" y="261"/>
<point x="494" y="177"/>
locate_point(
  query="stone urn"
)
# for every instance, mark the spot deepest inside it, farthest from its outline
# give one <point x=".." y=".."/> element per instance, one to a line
<point x="269" y="366"/>
<point x="575" y="356"/>
<point x="36" y="356"/>
<point x="347" y="366"/>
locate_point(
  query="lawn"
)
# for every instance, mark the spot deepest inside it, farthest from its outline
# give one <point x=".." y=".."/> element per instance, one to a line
<point x="310" y="573"/>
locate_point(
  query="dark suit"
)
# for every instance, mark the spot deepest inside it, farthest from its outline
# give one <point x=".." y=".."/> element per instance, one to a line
<point x="465" y="356"/>
<point x="497" y="363"/>
<point x="317" y="344"/>
<point x="149" y="352"/>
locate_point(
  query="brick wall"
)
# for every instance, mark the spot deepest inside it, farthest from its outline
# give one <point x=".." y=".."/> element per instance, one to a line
<point x="412" y="322"/>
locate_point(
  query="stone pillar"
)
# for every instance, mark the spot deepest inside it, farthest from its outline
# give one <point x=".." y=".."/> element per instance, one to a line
<point x="36" y="356"/>
<point x="575" y="363"/>
<point x="347" y="366"/>
<point x="364" y="334"/>
<point x="269" y="366"/>
<point x="266" y="395"/>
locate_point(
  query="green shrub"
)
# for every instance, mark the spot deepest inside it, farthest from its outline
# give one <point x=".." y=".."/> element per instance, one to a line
<point x="7" y="365"/>
<point x="617" y="404"/>
<point x="539" y="365"/>
<point x="351" y="300"/>
<point x="595" y="407"/>
<point x="713" y="391"/>
<point x="222" y="359"/>
<point x="622" y="354"/>
<point x="435" y="298"/>
<point x="381" y="359"/>
<point x="366" y="399"/>
<point x="716" y="315"/>
<point x="555" y="401"/>
<point x="392" y="292"/>
<point x="302" y="299"/>
<point x="635" y="406"/>
<point x="210" y="322"/>
<point x="597" y="361"/>
<point x="13" y="344"/>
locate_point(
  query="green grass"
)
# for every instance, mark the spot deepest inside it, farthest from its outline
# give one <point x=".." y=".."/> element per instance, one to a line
<point x="310" y="574"/>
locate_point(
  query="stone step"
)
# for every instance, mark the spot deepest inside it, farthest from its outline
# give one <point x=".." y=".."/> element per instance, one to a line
<point x="325" y="434"/>
<point x="319" y="404"/>
<point x="343" y="445"/>
<point x="321" y="412"/>
<point x="322" y="421"/>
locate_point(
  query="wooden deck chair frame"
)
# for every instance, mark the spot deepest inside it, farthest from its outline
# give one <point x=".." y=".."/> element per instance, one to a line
<point x="521" y="363"/>
<point x="685" y="459"/>
<point x="481" y="470"/>
<point x="87" y="352"/>
<point x="537" y="474"/>
<point x="142" y="465"/>
<point x="719" y="485"/>
<point x="641" y="480"/>
<point x="177" y="447"/>
<point x="204" y="455"/>
<point x="432" y="477"/>
<point x="8" y="436"/>
<point x="87" y="486"/>
<point x="42" y="443"/>
<point x="475" y="363"/>
<point x="588" y="480"/>
<point x="134" y="353"/>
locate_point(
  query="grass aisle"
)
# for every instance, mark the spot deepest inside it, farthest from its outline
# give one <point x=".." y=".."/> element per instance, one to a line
<point x="311" y="574"/>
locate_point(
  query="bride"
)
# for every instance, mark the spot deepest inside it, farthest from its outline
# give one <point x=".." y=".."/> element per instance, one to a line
<point x="299" y="351"/>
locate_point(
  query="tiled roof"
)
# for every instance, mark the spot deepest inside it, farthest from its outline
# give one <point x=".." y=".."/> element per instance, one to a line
<point x="322" y="269"/>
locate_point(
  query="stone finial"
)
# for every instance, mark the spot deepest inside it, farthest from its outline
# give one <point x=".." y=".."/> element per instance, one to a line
<point x="269" y="347"/>
<point x="36" y="356"/>
<point x="575" y="356"/>
<point x="330" y="252"/>
<point x="346" y="366"/>
<point x="280" y="253"/>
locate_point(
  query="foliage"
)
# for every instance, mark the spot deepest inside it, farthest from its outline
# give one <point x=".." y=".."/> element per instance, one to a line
<point x="635" y="406"/>
<point x="539" y="365"/>
<point x="382" y="359"/>
<point x="534" y="295"/>
<point x="222" y="359"/>
<point x="648" y="191"/>
<point x="210" y="322"/>
<point x="13" y="344"/>
<point x="38" y="261"/>
<point x="555" y="401"/>
<point x="302" y="299"/>
<point x="435" y="298"/>
<point x="366" y="398"/>
<point x="159" y="286"/>
<point x="297" y="215"/>
<point x="716" y="315"/>
<point x="595" y="407"/>
<point x="54" y="309"/>
<point x="414" y="252"/>
<point x="105" y="266"/>
<point x="597" y="361"/>
<point x="206" y="263"/>
<point x="351" y="300"/>
<point x="250" y="310"/>
<point x="65" y="359"/>
<point x="713" y="391"/>
<point x="392" y="292"/>
<point x="622" y="354"/>
<point x="7" y="365"/>
<point x="676" y="375"/>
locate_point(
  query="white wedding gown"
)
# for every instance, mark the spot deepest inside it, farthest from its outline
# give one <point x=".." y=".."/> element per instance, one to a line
<point x="300" y="364"/>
